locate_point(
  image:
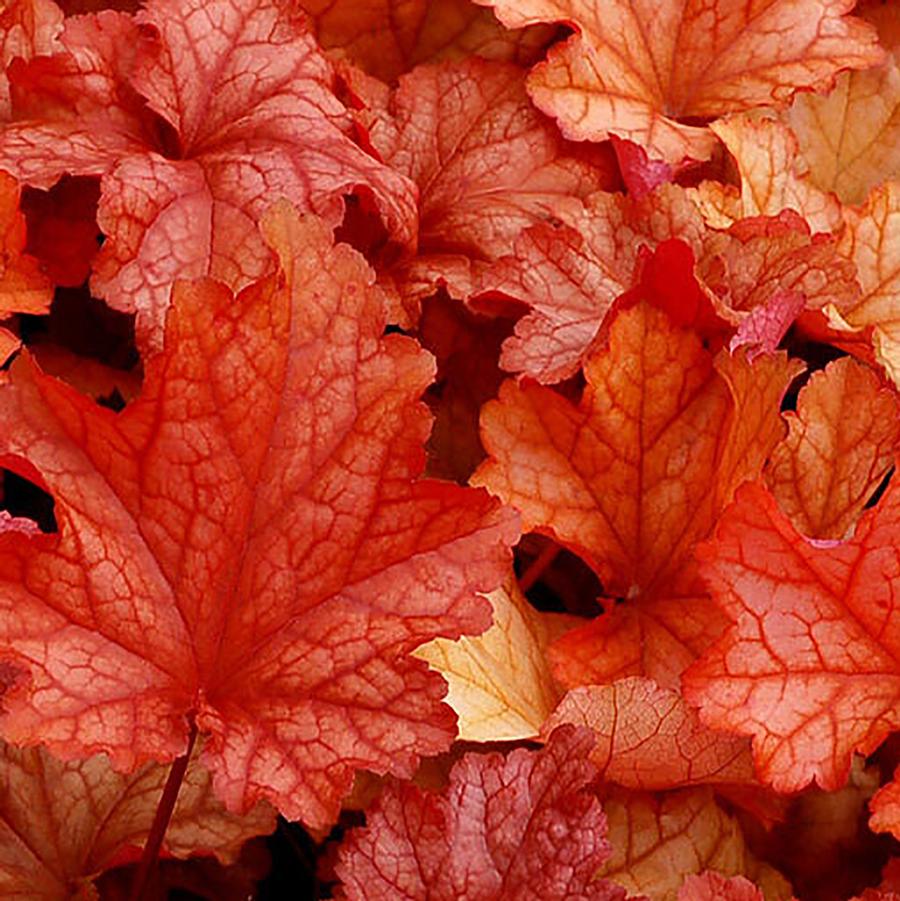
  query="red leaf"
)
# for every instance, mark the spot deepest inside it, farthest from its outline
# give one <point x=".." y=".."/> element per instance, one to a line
<point x="636" y="67"/>
<point x="28" y="28"/>
<point x="486" y="163"/>
<point x="61" y="824"/>
<point x="519" y="827"/>
<point x="632" y="477"/>
<point x="808" y="667"/>
<point x="250" y="119"/>
<point x="247" y="543"/>
<point x="712" y="886"/>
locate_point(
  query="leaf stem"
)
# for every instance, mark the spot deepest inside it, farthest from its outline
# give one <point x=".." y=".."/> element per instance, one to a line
<point x="161" y="819"/>
<point x="538" y="566"/>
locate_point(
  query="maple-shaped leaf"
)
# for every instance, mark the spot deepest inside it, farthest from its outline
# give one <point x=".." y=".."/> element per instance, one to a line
<point x="61" y="824"/>
<point x="27" y="28"/>
<point x="23" y="287"/>
<point x="659" y="839"/>
<point x="808" y="667"/>
<point x="773" y="176"/>
<point x="516" y="827"/>
<point x="648" y="738"/>
<point x="639" y="69"/>
<point x="712" y="886"/>
<point x="850" y="137"/>
<point x="486" y="163"/>
<point x="500" y="682"/>
<point x="840" y="445"/>
<point x="632" y="477"/>
<point x="389" y="37"/>
<point x="221" y="135"/>
<point x="246" y="544"/>
<point x="871" y="240"/>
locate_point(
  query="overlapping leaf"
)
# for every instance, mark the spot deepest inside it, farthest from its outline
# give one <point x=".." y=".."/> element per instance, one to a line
<point x="223" y="134"/>
<point x="631" y="478"/>
<point x="520" y="827"/>
<point x="63" y="823"/>
<point x="808" y="667"/>
<point x="638" y="69"/>
<point x="27" y="28"/>
<point x="245" y="545"/>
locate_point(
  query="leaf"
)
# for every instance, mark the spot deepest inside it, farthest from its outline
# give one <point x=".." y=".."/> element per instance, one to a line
<point x="251" y="119"/>
<point x="871" y="240"/>
<point x="850" y="137"/>
<point x="61" y="824"/>
<point x="23" y="287"/>
<point x="885" y="807"/>
<point x="28" y="28"/>
<point x="808" y="666"/>
<point x="519" y="827"/>
<point x="632" y="477"/>
<point x="500" y="682"/>
<point x="840" y="446"/>
<point x="388" y="37"/>
<point x="712" y="886"/>
<point x="648" y="738"/>
<point x="246" y="544"/>
<point x="773" y="176"/>
<point x="658" y="840"/>
<point x="486" y="163"/>
<point x="638" y="69"/>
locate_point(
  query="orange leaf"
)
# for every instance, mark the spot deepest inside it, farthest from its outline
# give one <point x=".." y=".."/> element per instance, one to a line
<point x="640" y="68"/>
<point x="809" y="665"/>
<point x="840" y="445"/>
<point x="256" y="550"/>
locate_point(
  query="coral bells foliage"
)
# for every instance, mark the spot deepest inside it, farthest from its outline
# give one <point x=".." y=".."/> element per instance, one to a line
<point x="461" y="432"/>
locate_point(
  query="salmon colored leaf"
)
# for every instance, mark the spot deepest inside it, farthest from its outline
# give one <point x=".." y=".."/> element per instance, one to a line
<point x="500" y="682"/>
<point x="632" y="477"/>
<point x="659" y="839"/>
<point x="871" y="240"/>
<point x="648" y="738"/>
<point x="762" y="331"/>
<point x="840" y="445"/>
<point x="389" y="37"/>
<point x="23" y="287"/>
<point x="223" y="134"/>
<point x="644" y="70"/>
<point x="808" y="666"/>
<point x="520" y="827"/>
<point x="256" y="552"/>
<point x="885" y="807"/>
<point x="774" y="178"/>
<point x="486" y="163"/>
<point x="850" y="137"/>
<point x="712" y="886"/>
<point x="61" y="824"/>
<point x="28" y="28"/>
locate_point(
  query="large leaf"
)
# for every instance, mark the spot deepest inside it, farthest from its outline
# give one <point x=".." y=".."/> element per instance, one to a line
<point x="640" y="68"/>
<point x="246" y="544"/>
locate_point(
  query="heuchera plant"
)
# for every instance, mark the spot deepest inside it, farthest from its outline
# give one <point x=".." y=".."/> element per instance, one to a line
<point x="447" y="450"/>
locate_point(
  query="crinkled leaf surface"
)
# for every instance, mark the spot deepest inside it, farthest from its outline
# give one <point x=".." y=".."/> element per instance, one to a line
<point x="850" y="137"/>
<point x="250" y="118"/>
<point x="773" y="178"/>
<point x="500" y="682"/>
<point x="658" y="839"/>
<point x="635" y="68"/>
<point x="487" y="164"/>
<point x="389" y="37"/>
<point x="516" y="827"/>
<point x="63" y="823"/>
<point x="840" y="445"/>
<point x="246" y="544"/>
<point x="648" y="738"/>
<point x="808" y="667"/>
<point x="871" y="240"/>
<point x="27" y="28"/>
<point x="632" y="477"/>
